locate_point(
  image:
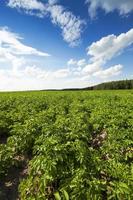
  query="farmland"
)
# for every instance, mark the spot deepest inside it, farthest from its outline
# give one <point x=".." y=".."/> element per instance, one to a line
<point x="63" y="145"/>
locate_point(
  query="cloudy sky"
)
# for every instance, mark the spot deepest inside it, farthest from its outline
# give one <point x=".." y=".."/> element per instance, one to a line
<point x="57" y="44"/>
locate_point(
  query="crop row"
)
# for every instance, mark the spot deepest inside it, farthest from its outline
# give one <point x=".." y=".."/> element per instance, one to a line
<point x="76" y="145"/>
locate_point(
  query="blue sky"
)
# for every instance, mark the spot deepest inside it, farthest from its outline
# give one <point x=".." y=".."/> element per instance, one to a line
<point x="64" y="43"/>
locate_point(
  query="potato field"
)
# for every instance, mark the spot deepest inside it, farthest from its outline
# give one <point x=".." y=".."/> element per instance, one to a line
<point x="66" y="145"/>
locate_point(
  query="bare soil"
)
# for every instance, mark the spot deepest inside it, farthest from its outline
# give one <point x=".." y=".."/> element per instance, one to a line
<point x="9" y="184"/>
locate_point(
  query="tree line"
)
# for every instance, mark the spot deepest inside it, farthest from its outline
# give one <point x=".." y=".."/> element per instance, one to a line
<point x="113" y="85"/>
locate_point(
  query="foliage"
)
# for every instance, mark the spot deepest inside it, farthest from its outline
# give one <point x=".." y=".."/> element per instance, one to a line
<point x="113" y="85"/>
<point x="80" y="143"/>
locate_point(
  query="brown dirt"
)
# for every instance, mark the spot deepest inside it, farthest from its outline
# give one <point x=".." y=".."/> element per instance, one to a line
<point x="9" y="184"/>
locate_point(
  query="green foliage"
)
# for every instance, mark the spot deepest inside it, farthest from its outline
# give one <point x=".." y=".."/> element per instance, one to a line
<point x="80" y="143"/>
<point x="113" y="85"/>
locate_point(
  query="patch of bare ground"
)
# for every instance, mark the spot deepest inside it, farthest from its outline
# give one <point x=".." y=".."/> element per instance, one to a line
<point x="99" y="139"/>
<point x="9" y="184"/>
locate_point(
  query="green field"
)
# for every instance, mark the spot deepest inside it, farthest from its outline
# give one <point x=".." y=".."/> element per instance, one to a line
<point x="66" y="145"/>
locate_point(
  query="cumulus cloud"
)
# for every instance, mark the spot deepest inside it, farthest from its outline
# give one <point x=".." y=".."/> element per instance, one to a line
<point x="111" y="71"/>
<point x="19" y="75"/>
<point x="124" y="7"/>
<point x="35" y="78"/>
<point x="61" y="73"/>
<point x="95" y="70"/>
<point x="91" y="68"/>
<point x="78" y="63"/>
<point x="71" y="26"/>
<point x="76" y="66"/>
<point x="110" y="46"/>
<point x="71" y="62"/>
<point x="81" y="62"/>
<point x="101" y="52"/>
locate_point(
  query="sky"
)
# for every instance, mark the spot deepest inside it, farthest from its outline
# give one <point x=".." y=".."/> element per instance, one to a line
<point x="55" y="44"/>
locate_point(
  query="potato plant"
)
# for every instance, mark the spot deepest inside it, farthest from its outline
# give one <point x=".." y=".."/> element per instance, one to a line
<point x="79" y="144"/>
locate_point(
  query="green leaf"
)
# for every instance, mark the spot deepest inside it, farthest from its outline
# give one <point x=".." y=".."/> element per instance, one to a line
<point x="57" y="196"/>
<point x="66" y="195"/>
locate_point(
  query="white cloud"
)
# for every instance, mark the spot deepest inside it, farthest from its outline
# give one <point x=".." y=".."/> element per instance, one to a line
<point x="91" y="68"/>
<point x="11" y="43"/>
<point x="31" y="77"/>
<point x="70" y="25"/>
<point x="111" y="71"/>
<point x="100" y="53"/>
<point x="72" y="62"/>
<point x="78" y="63"/>
<point x="110" y="46"/>
<point x="104" y="50"/>
<point x="52" y="2"/>
<point x="76" y="66"/>
<point x="94" y="69"/>
<point x="81" y="62"/>
<point x="35" y="78"/>
<point x="61" y="73"/>
<point x="34" y="72"/>
<point x="19" y="75"/>
<point x="26" y="4"/>
<point x="122" y="6"/>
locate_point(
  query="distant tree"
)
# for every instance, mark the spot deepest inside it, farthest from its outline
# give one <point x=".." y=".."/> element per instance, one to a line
<point x="113" y="85"/>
